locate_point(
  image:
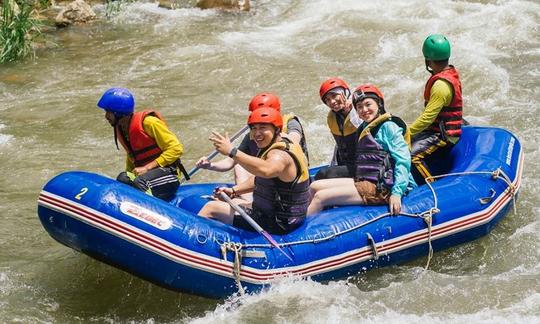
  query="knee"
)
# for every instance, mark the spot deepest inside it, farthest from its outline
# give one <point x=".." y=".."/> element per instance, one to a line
<point x="124" y="178"/>
<point x="140" y="183"/>
<point x="317" y="186"/>
<point x="207" y="210"/>
<point x="317" y="199"/>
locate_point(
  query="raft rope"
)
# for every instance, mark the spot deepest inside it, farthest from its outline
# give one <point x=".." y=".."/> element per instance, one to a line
<point x="236" y="248"/>
<point x="427" y="216"/>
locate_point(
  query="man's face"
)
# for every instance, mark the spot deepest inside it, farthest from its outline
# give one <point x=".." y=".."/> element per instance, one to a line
<point x="111" y="118"/>
<point x="262" y="134"/>
<point x="335" y="101"/>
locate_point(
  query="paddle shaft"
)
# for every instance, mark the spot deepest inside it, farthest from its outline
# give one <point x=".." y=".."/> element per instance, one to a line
<point x="215" y="152"/>
<point x="242" y="212"/>
<point x="253" y="224"/>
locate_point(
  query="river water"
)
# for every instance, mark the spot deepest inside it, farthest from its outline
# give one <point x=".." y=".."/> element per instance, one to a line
<point x="200" y="68"/>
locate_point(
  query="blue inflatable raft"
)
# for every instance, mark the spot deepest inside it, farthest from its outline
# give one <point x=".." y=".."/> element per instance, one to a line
<point x="168" y="244"/>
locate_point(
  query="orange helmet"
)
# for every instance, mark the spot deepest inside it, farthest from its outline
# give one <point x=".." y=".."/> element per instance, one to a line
<point x="368" y="91"/>
<point x="265" y="99"/>
<point x="266" y="115"/>
<point x="333" y="83"/>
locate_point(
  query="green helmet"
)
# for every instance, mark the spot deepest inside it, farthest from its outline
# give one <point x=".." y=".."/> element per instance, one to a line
<point x="436" y="48"/>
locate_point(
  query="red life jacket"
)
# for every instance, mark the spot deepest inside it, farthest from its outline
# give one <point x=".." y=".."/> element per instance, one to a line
<point x="140" y="146"/>
<point x="450" y="118"/>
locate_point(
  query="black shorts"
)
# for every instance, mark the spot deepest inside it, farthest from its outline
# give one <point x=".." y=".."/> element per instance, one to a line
<point x="269" y="224"/>
<point x="336" y="171"/>
<point x="162" y="182"/>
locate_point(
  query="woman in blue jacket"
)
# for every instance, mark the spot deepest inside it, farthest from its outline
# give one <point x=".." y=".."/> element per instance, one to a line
<point x="383" y="161"/>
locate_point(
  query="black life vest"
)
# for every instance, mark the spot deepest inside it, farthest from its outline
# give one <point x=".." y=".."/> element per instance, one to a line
<point x="286" y="201"/>
<point x="373" y="162"/>
<point x="346" y="136"/>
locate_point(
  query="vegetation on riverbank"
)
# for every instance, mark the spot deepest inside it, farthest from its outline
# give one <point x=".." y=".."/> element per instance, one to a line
<point x="18" y="29"/>
<point x="22" y="21"/>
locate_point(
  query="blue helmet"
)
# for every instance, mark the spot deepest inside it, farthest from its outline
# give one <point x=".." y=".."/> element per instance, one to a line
<point x="119" y="101"/>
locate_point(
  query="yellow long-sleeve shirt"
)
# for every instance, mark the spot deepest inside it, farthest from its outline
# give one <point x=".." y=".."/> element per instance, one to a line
<point x="171" y="147"/>
<point x="440" y="96"/>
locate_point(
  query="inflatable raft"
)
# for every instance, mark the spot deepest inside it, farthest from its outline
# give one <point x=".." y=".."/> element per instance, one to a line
<point x="168" y="244"/>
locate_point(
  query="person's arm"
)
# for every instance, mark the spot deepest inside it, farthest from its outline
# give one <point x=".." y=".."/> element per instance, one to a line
<point x="237" y="190"/>
<point x="440" y="96"/>
<point x="220" y="166"/>
<point x="167" y="141"/>
<point x="391" y="138"/>
<point x="273" y="166"/>
<point x="294" y="131"/>
<point x="276" y="160"/>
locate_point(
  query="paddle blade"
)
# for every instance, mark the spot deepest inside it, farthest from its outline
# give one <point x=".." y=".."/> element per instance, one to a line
<point x="270" y="239"/>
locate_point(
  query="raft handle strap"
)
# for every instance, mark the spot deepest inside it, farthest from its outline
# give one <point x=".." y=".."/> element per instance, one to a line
<point x="487" y="200"/>
<point x="371" y="242"/>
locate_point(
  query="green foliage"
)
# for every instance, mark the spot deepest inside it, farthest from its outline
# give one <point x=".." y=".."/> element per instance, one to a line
<point x="45" y="3"/>
<point x="17" y="32"/>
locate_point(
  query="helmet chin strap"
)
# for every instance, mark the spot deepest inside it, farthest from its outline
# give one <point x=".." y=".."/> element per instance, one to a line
<point x="115" y="136"/>
<point x="430" y="70"/>
<point x="115" y="125"/>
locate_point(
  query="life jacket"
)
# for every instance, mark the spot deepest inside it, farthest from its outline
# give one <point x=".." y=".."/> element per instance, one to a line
<point x="346" y="137"/>
<point x="286" y="201"/>
<point x="303" y="143"/>
<point x="141" y="148"/>
<point x="450" y="118"/>
<point x="373" y="162"/>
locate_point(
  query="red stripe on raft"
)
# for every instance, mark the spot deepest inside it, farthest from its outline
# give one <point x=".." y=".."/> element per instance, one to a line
<point x="264" y="275"/>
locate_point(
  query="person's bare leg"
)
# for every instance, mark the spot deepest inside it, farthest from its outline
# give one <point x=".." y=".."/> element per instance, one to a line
<point x="338" y="191"/>
<point x="241" y="175"/>
<point x="322" y="184"/>
<point x="218" y="210"/>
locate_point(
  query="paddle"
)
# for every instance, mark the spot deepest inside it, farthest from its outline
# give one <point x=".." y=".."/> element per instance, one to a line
<point x="214" y="153"/>
<point x="253" y="224"/>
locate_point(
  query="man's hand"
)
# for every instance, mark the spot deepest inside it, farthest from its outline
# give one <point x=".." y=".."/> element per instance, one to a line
<point x="204" y="163"/>
<point x="222" y="143"/>
<point x="227" y="190"/>
<point x="138" y="171"/>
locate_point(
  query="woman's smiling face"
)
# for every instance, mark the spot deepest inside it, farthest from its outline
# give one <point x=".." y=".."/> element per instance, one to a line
<point x="367" y="109"/>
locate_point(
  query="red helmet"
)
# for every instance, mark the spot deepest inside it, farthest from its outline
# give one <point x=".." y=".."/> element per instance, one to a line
<point x="333" y="83"/>
<point x="265" y="99"/>
<point x="367" y="91"/>
<point x="266" y="115"/>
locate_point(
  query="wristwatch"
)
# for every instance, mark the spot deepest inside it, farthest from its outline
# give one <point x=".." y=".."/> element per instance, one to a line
<point x="233" y="152"/>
